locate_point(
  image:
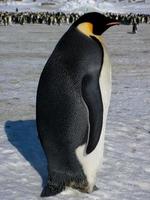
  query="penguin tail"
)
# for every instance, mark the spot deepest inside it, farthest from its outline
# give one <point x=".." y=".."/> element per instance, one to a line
<point x="52" y="189"/>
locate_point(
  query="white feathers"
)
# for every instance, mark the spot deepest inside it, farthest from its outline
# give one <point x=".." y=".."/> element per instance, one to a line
<point x="91" y="162"/>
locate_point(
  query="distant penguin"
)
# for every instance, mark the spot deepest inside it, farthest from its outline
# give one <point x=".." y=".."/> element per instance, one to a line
<point x="72" y="103"/>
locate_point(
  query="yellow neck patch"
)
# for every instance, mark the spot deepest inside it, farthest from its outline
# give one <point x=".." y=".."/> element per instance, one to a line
<point x="86" y="28"/>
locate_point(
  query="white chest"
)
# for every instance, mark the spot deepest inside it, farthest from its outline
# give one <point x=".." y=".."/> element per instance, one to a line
<point x="91" y="162"/>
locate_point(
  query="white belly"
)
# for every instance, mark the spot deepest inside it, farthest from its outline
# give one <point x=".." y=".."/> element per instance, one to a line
<point x="91" y="162"/>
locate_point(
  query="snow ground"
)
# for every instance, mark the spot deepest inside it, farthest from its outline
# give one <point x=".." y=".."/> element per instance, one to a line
<point x="126" y="171"/>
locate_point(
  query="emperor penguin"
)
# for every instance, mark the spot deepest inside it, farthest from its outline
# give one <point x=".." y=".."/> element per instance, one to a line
<point x="73" y="98"/>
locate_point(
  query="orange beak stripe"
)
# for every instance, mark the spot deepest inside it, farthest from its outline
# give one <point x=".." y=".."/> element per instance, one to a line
<point x="113" y="23"/>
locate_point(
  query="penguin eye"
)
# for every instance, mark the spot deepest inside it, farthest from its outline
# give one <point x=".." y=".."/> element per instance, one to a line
<point x="98" y="29"/>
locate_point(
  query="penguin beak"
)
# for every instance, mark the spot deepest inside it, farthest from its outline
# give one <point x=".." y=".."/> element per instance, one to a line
<point x="113" y="23"/>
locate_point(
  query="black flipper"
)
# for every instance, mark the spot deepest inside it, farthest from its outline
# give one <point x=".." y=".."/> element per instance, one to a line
<point x="92" y="97"/>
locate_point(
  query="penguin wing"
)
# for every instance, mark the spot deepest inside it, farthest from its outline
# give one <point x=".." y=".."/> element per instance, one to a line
<point x="92" y="97"/>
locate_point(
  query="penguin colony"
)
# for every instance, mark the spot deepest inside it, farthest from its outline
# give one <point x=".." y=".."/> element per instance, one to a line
<point x="7" y="18"/>
<point x="73" y="98"/>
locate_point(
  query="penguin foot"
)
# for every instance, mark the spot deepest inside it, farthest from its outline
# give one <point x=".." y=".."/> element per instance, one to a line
<point x="95" y="188"/>
<point x="52" y="189"/>
<point x="82" y="186"/>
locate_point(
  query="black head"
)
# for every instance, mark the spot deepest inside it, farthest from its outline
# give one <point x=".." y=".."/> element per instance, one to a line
<point x="98" y="23"/>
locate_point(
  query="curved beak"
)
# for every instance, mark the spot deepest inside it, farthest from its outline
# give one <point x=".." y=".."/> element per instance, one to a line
<point x="113" y="23"/>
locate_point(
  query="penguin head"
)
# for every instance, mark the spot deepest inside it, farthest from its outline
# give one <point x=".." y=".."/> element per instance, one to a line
<point x="94" y="23"/>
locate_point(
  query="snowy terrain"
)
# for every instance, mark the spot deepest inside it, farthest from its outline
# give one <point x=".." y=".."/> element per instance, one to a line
<point x="77" y="6"/>
<point x="126" y="171"/>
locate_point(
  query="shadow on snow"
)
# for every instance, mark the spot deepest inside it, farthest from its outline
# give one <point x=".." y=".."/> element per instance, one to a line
<point x="23" y="135"/>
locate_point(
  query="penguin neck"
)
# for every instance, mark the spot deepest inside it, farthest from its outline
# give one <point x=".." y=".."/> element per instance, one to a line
<point x="100" y="38"/>
<point x="87" y="29"/>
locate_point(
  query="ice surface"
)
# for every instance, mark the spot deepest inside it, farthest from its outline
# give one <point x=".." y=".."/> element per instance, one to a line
<point x="126" y="171"/>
